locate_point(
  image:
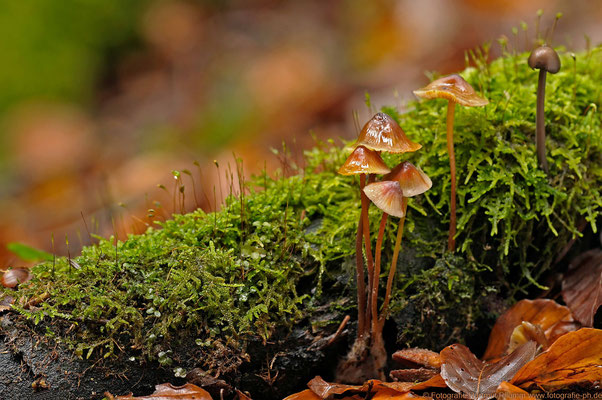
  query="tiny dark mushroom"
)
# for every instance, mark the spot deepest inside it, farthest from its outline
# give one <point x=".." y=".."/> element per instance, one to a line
<point x="545" y="59"/>
<point x="454" y="89"/>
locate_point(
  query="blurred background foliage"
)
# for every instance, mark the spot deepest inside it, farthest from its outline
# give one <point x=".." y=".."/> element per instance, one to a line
<point x="100" y="100"/>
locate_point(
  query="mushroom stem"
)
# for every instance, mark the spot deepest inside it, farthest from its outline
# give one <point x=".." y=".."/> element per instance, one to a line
<point x="393" y="268"/>
<point x="367" y="244"/>
<point x="451" y="108"/>
<point x="375" y="276"/>
<point x="540" y="123"/>
<point x="361" y="286"/>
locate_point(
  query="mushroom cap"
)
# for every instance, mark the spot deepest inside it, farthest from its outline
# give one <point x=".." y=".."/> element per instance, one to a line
<point x="387" y="196"/>
<point x="364" y="161"/>
<point x="452" y="87"/>
<point x="382" y="133"/>
<point x="544" y="57"/>
<point x="412" y="180"/>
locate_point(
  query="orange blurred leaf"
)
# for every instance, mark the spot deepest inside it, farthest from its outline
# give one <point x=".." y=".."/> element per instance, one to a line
<point x="574" y="359"/>
<point x="418" y="357"/>
<point x="167" y="391"/>
<point x="554" y="319"/>
<point x="507" y="391"/>
<point x="582" y="286"/>
<point x="475" y="379"/>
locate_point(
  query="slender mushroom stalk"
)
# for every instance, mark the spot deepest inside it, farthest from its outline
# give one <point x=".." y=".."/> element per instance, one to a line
<point x="451" y="239"/>
<point x="413" y="181"/>
<point x="387" y="196"/>
<point x="545" y="59"/>
<point x="456" y="90"/>
<point x="376" y="276"/>
<point x="363" y="161"/>
<point x="380" y="133"/>
<point x="367" y="356"/>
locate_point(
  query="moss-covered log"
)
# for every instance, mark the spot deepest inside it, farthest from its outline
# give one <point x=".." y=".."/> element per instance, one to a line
<point x="244" y="292"/>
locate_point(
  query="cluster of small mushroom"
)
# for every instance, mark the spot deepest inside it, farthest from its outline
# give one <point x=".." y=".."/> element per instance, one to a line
<point x="390" y="194"/>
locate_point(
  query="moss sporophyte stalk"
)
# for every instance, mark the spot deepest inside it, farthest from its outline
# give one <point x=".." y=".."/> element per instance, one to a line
<point x="217" y="283"/>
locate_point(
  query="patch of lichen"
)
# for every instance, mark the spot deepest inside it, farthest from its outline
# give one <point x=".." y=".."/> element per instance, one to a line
<point x="269" y="261"/>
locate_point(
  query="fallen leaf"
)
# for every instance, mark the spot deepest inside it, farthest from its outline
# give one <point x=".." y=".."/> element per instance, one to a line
<point x="386" y="394"/>
<point x="167" y="391"/>
<point x="413" y="374"/>
<point x="574" y="359"/>
<point x="475" y="379"/>
<point x="15" y="276"/>
<point x="582" y="286"/>
<point x="554" y="319"/>
<point x="326" y="391"/>
<point x="417" y="357"/>
<point x="307" y="394"/>
<point x="507" y="391"/>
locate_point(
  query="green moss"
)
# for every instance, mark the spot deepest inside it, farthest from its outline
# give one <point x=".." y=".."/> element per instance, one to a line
<point x="241" y="273"/>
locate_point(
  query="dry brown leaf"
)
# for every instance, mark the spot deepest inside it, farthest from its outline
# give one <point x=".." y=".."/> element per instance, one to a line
<point x="386" y="394"/>
<point x="307" y="394"/>
<point x="325" y="390"/>
<point x="477" y="380"/>
<point x="15" y="276"/>
<point x="574" y="359"/>
<point x="582" y="286"/>
<point x="167" y="391"/>
<point x="554" y="319"/>
<point x="417" y="357"/>
<point x="507" y="391"/>
<point x="413" y="374"/>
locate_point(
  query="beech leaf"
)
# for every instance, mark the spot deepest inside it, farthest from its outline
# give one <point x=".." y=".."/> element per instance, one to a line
<point x="475" y="379"/>
<point x="166" y="391"/>
<point x="554" y="319"/>
<point x="413" y="374"/>
<point x="382" y="390"/>
<point x="307" y="394"/>
<point x="507" y="391"/>
<point x="417" y="357"/>
<point x="574" y="359"/>
<point x="582" y="286"/>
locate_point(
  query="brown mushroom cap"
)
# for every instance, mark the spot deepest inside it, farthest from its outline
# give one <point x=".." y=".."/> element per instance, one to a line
<point x="454" y="88"/>
<point x="387" y="196"/>
<point x="544" y="57"/>
<point x="411" y="179"/>
<point x="382" y="133"/>
<point x="364" y="161"/>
